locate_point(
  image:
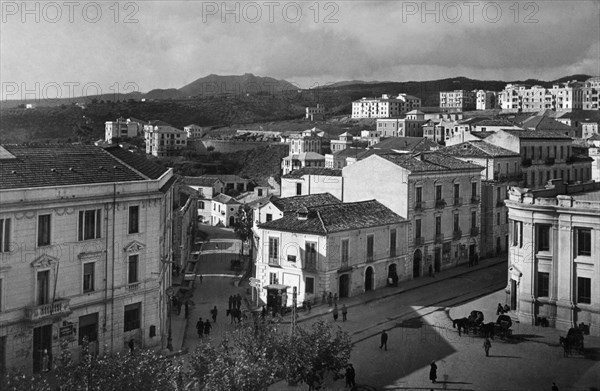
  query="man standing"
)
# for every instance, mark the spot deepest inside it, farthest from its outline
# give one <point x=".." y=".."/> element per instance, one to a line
<point x="200" y="327"/>
<point x="433" y="372"/>
<point x="344" y="312"/>
<point x="486" y="346"/>
<point x="335" y="313"/>
<point x="384" y="339"/>
<point x="350" y="374"/>
<point x="214" y="312"/>
<point x="187" y="308"/>
<point x="207" y="327"/>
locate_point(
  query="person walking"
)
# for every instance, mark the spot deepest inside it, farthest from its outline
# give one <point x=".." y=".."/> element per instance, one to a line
<point x="230" y="302"/>
<point x="200" y="327"/>
<point x="554" y="387"/>
<point x="308" y="306"/>
<point x="431" y="271"/>
<point x="433" y="372"/>
<point x="187" y="309"/>
<point x="350" y="375"/>
<point x="476" y="258"/>
<point x="214" y="312"/>
<point x="344" y="312"/>
<point x="207" y="327"/>
<point x="238" y="301"/>
<point x="384" y="339"/>
<point x="200" y="278"/>
<point x="329" y="299"/>
<point x="486" y="346"/>
<point x="335" y="313"/>
<point x="335" y="298"/>
<point x="131" y="345"/>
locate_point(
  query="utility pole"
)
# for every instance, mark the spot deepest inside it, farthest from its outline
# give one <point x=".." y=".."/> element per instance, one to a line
<point x="294" y="299"/>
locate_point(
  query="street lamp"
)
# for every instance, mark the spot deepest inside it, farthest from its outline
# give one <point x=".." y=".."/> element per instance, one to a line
<point x="170" y="293"/>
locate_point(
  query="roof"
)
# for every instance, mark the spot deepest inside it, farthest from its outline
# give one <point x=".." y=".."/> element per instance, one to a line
<point x="478" y="149"/>
<point x="348" y="152"/>
<point x="494" y="122"/>
<point x="305" y="156"/>
<point x="292" y="204"/>
<point x="225" y="199"/>
<point x="415" y="111"/>
<point x="430" y="161"/>
<point x="410" y="144"/>
<point x="51" y="165"/>
<point x="314" y="171"/>
<point x="537" y="134"/>
<point x="482" y="135"/>
<point x="325" y="219"/>
<point x="370" y="152"/>
<point x="544" y="123"/>
<point x="200" y="181"/>
<point x="226" y="178"/>
<point x="594" y="137"/>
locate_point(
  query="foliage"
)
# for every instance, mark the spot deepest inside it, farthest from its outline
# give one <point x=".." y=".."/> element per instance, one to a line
<point x="17" y="380"/>
<point x="243" y="227"/>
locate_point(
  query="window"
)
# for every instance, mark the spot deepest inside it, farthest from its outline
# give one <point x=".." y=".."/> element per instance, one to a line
<point x="474" y="189"/>
<point x="517" y="233"/>
<point x="291" y="258"/>
<point x="273" y="278"/>
<point x="88" y="328"/>
<point x="260" y="192"/>
<point x="438" y="225"/>
<point x="134" y="219"/>
<point x="43" y="230"/>
<point x="309" y="285"/>
<point x="88" y="276"/>
<point x="543" y="237"/>
<point x="89" y="224"/>
<point x="369" y="248"/>
<point x="344" y="254"/>
<point x="274" y="251"/>
<point x="498" y="194"/>
<point x="418" y="228"/>
<point x="498" y="218"/>
<point x="4" y="235"/>
<point x="584" y="241"/>
<point x="132" y="270"/>
<point x="298" y="188"/>
<point x="419" y="194"/>
<point x="310" y="255"/>
<point x="131" y="319"/>
<point x="543" y="284"/>
<point x="43" y="287"/>
<point x="269" y="217"/>
<point x="393" y="243"/>
<point x="200" y="204"/>
<point x="456" y="222"/>
<point x="456" y="191"/>
<point x="438" y="192"/>
<point x="474" y="219"/>
<point x="584" y="290"/>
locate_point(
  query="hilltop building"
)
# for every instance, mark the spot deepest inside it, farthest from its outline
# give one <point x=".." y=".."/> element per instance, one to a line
<point x="516" y="98"/>
<point x="163" y="139"/>
<point x="384" y="107"/>
<point x="122" y="127"/>
<point x="315" y="113"/>
<point x="591" y="94"/>
<point x="458" y="100"/>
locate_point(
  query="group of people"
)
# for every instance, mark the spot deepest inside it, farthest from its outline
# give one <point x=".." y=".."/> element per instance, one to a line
<point x="331" y="298"/>
<point x="178" y="303"/>
<point x="474" y="260"/>
<point x="502" y="310"/>
<point x="344" y="313"/>
<point x="235" y="302"/>
<point x="203" y="328"/>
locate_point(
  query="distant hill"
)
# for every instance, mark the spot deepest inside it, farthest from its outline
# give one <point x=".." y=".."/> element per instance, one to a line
<point x="352" y="82"/>
<point x="214" y="85"/>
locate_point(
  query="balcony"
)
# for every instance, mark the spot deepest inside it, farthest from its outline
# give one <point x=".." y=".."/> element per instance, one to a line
<point x="570" y="159"/>
<point x="474" y="231"/>
<point x="419" y="241"/>
<point x="273" y="262"/>
<point x="457" y="201"/>
<point x="59" y="307"/>
<point x="549" y="161"/>
<point x="457" y="234"/>
<point x="439" y="238"/>
<point x="440" y="204"/>
<point x="134" y="286"/>
<point x="419" y="206"/>
<point x="499" y="203"/>
<point x="526" y="162"/>
<point x="475" y="199"/>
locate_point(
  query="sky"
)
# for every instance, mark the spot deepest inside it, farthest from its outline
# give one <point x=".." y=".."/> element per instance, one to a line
<point x="73" y="48"/>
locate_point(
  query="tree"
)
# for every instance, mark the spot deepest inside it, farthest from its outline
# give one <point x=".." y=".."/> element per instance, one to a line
<point x="243" y="228"/>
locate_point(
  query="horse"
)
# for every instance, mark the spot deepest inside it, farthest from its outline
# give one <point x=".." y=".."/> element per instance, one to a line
<point x="488" y="330"/>
<point x="462" y="323"/>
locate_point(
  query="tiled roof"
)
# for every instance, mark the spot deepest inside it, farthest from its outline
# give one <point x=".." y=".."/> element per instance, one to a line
<point x="538" y="134"/>
<point x="479" y="149"/>
<point x="199" y="181"/>
<point x="305" y="156"/>
<point x="482" y="135"/>
<point x="226" y="178"/>
<point x="224" y="199"/>
<point x="430" y="161"/>
<point x="371" y="152"/>
<point x="495" y="122"/>
<point x="339" y="217"/>
<point x="43" y="165"/>
<point x="544" y="123"/>
<point x="594" y="137"/>
<point x="314" y="171"/>
<point x="137" y="162"/>
<point x="409" y="144"/>
<point x="348" y="152"/>
<point x="292" y="204"/>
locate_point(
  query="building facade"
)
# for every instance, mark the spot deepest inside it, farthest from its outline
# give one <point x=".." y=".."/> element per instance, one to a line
<point x="561" y="97"/>
<point x="122" y="128"/>
<point x="554" y="272"/>
<point x="486" y="100"/>
<point x="458" y="100"/>
<point x="163" y="139"/>
<point x="85" y="250"/>
<point x="384" y="107"/>
<point x="308" y="181"/>
<point x="591" y="94"/>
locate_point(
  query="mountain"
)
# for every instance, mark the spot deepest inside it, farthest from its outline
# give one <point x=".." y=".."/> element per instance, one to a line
<point x="351" y="82"/>
<point x="215" y="85"/>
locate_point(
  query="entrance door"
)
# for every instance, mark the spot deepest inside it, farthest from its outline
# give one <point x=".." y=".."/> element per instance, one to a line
<point x="369" y="279"/>
<point x="231" y="221"/>
<point x="513" y="295"/>
<point x="344" y="285"/>
<point x="437" y="265"/>
<point x="498" y="246"/>
<point x="417" y="263"/>
<point x="42" y="348"/>
<point x="392" y="274"/>
<point x="471" y="254"/>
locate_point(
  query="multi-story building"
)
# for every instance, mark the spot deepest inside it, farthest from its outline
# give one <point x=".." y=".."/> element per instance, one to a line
<point x="594" y="154"/>
<point x="315" y="113"/>
<point x="545" y="155"/>
<point x="554" y="272"/>
<point x="486" y="100"/>
<point x="588" y="129"/>
<point x="502" y="168"/>
<point x="458" y="100"/>
<point x="410" y="126"/>
<point x="85" y="251"/>
<point x="194" y="131"/>
<point x="277" y="207"/>
<point x="339" y="159"/>
<point x="344" y="141"/>
<point x="122" y="127"/>
<point x="163" y="139"/>
<point x="224" y="210"/>
<point x="343" y="248"/>
<point x="591" y="94"/>
<point x="384" y="107"/>
<point x="312" y="181"/>
<point x="440" y="196"/>
<point x="519" y="98"/>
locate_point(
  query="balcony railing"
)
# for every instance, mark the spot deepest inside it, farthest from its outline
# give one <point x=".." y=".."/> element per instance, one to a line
<point x="59" y="307"/>
<point x="474" y="231"/>
<point x="457" y="201"/>
<point x="419" y="241"/>
<point x="134" y="286"/>
<point x="419" y="206"/>
<point x="274" y="261"/>
<point x="440" y="204"/>
<point x="475" y="199"/>
<point x="439" y="238"/>
<point x="457" y="234"/>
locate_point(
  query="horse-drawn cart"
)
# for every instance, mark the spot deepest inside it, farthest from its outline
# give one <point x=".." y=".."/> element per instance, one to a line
<point x="572" y="342"/>
<point x="502" y="327"/>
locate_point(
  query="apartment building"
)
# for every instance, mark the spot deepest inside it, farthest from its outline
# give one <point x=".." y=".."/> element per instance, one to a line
<point x="545" y="155"/>
<point x="122" y="127"/>
<point x="315" y="113"/>
<point x="458" y="100"/>
<point x="591" y="94"/>
<point x="561" y="97"/>
<point x="344" y="141"/>
<point x="163" y="139"/>
<point x="485" y="100"/>
<point x="410" y="126"/>
<point x="438" y="194"/>
<point x="384" y="107"/>
<point x="194" y="131"/>
<point x="588" y="129"/>
<point x="308" y="181"/>
<point x="85" y="250"/>
<point x="343" y="248"/>
<point x="553" y="259"/>
<point x="502" y="168"/>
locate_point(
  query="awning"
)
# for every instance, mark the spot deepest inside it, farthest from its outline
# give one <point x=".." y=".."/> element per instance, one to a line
<point x="276" y="286"/>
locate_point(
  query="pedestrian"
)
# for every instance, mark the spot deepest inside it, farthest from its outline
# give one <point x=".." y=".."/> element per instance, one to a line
<point x="344" y="312"/>
<point x="470" y="262"/>
<point x="329" y="299"/>
<point x="433" y="372"/>
<point x="486" y="346"/>
<point x="308" y="306"/>
<point x="230" y="302"/>
<point x="175" y="303"/>
<point x="554" y="387"/>
<point x="335" y="313"/>
<point x="476" y="258"/>
<point x="263" y="313"/>
<point x="187" y="309"/>
<point x="431" y="271"/>
<point x="200" y="327"/>
<point x="350" y="375"/>
<point x="179" y="304"/>
<point x="384" y="339"/>
<point x="214" y="312"/>
<point x="131" y="345"/>
<point x="499" y="309"/>
<point x="207" y="327"/>
<point x="323" y="297"/>
<point x="200" y="278"/>
<point x="335" y="298"/>
<point x="238" y="301"/>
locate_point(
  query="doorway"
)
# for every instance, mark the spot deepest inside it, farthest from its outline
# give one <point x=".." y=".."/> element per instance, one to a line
<point x="471" y="254"/>
<point x="392" y="275"/>
<point x="344" y="285"/>
<point x="42" y="348"/>
<point x="231" y="221"/>
<point x="417" y="263"/>
<point x="513" y="295"/>
<point x="437" y="264"/>
<point x="369" y="279"/>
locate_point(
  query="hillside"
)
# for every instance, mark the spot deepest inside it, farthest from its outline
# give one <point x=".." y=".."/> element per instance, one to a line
<point x="261" y="163"/>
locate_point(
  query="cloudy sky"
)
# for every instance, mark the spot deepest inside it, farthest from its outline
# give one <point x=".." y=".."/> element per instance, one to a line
<point x="167" y="44"/>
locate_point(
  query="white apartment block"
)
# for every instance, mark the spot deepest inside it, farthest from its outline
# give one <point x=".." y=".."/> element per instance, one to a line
<point x="385" y="107"/>
<point x="122" y="127"/>
<point x="561" y="97"/>
<point x="85" y="251"/>
<point x="591" y="94"/>
<point x="194" y="131"/>
<point x="486" y="100"/>
<point x="458" y="100"/>
<point x="163" y="139"/>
